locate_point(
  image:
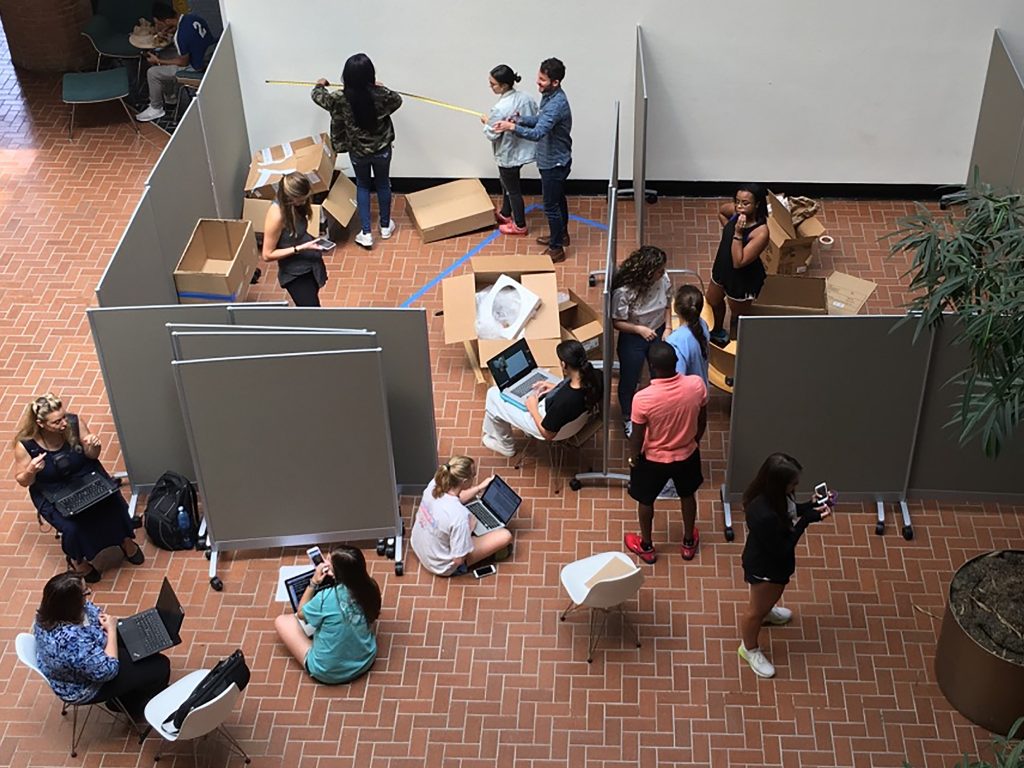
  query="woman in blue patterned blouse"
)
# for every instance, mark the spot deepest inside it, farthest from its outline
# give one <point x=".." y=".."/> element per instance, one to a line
<point x="78" y="652"/>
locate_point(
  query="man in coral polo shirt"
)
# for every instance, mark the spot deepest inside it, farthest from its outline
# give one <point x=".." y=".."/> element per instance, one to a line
<point x="669" y="418"/>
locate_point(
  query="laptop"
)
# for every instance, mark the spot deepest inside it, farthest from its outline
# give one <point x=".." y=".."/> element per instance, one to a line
<point x="155" y="630"/>
<point x="495" y="508"/>
<point x="515" y="372"/>
<point x="295" y="586"/>
<point x="82" y="492"/>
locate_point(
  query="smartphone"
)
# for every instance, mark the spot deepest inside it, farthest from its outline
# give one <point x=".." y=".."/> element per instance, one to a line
<point x="821" y="491"/>
<point x="324" y="244"/>
<point x="315" y="555"/>
<point x="485" y="570"/>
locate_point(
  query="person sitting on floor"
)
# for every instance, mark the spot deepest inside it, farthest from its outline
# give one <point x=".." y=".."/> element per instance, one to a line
<point x="192" y="41"/>
<point x="551" y="408"/>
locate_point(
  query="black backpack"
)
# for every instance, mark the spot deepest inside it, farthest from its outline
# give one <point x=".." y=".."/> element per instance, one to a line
<point x="170" y="492"/>
<point x="233" y="669"/>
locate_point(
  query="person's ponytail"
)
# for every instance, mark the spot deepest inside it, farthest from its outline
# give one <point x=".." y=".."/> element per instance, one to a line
<point x="573" y="354"/>
<point x="452" y="474"/>
<point x="688" y="304"/>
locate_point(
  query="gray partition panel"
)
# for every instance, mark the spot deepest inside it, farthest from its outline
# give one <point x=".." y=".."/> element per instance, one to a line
<point x="402" y="333"/>
<point x="134" y="351"/>
<point x="326" y="475"/>
<point x="997" y="140"/>
<point x="204" y="345"/>
<point x="135" y="273"/>
<point x="841" y="394"/>
<point x="223" y="122"/>
<point x="181" y="189"/>
<point x="639" y="136"/>
<point x="941" y="467"/>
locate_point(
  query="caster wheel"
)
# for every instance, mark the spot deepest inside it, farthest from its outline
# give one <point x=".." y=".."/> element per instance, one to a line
<point x="650" y="199"/>
<point x="217" y="584"/>
<point x="74" y="754"/>
<point x="592" y="281"/>
<point x="381" y="546"/>
<point x="908" y="532"/>
<point x="575" y="484"/>
<point x="590" y="661"/>
<point x="879" y="529"/>
<point x="730" y="534"/>
<point x="399" y="569"/>
<point x="389" y="552"/>
<point x="208" y="554"/>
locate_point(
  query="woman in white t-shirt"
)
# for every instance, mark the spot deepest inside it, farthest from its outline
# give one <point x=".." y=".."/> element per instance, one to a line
<point x="442" y="536"/>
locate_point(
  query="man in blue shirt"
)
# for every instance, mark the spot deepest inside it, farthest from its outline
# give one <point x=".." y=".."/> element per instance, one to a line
<point x="551" y="129"/>
<point x="192" y="41"/>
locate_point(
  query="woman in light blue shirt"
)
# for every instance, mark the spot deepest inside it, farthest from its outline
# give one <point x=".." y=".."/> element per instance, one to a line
<point x="511" y="152"/>
<point x="690" y="340"/>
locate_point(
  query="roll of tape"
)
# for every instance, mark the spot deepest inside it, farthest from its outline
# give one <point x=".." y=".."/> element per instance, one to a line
<point x="826" y="241"/>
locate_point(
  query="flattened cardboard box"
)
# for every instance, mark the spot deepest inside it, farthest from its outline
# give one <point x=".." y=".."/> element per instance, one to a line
<point x="580" y="321"/>
<point x="790" y="248"/>
<point x="217" y="263"/>
<point x="313" y="156"/>
<point x="847" y="294"/>
<point x="458" y="298"/>
<point x="450" y="209"/>
<point x="790" y="295"/>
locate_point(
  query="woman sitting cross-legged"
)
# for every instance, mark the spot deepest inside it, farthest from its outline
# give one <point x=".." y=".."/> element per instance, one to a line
<point x="341" y="612"/>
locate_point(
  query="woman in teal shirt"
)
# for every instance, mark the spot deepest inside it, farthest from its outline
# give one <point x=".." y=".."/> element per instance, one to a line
<point x="341" y="613"/>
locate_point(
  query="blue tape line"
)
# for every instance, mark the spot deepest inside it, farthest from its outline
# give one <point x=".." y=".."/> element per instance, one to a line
<point x="589" y="223"/>
<point x="209" y="296"/>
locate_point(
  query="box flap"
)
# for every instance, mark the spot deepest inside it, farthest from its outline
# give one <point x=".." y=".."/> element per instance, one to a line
<point x="847" y="294"/>
<point x="341" y="200"/>
<point x="491" y="267"/>
<point x="781" y="214"/>
<point x="544" y="324"/>
<point x="543" y="352"/>
<point x="458" y="297"/>
<point x="811" y="227"/>
<point x="785" y="294"/>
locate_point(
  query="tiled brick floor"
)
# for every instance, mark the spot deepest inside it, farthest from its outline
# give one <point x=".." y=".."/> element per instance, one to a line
<point x="477" y="673"/>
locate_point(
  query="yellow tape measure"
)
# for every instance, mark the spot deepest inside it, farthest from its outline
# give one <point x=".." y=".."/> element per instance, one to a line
<point x="424" y="99"/>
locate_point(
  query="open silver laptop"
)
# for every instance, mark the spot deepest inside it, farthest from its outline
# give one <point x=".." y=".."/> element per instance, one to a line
<point x="515" y="373"/>
<point x="495" y="508"/>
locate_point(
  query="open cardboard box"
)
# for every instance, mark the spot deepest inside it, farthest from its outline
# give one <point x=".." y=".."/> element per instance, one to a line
<point x="313" y="156"/>
<point x="458" y="297"/>
<point x="578" y="320"/>
<point x="790" y="295"/>
<point x="790" y="248"/>
<point x="218" y="262"/>
<point x="340" y="204"/>
<point x="451" y="209"/>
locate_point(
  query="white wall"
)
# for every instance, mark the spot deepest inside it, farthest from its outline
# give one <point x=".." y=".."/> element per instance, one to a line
<point x="877" y="91"/>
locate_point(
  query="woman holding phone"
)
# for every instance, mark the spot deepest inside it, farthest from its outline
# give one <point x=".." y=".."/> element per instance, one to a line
<point x="775" y="523"/>
<point x="286" y="239"/>
<point x="341" y="611"/>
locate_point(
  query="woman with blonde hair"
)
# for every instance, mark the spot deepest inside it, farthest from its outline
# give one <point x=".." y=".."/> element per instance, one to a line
<point x="52" y="448"/>
<point x="287" y="240"/>
<point x="442" y="536"/>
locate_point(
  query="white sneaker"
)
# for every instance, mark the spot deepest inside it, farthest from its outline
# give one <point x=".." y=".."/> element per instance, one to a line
<point x="779" y="616"/>
<point x="149" y="114"/>
<point x="757" y="661"/>
<point x="389" y="230"/>
<point x="365" y="239"/>
<point x="494" y="445"/>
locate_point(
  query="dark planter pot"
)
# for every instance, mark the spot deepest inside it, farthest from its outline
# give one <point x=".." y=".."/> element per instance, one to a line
<point x="983" y="687"/>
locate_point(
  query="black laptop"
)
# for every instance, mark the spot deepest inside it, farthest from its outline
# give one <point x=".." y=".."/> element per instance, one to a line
<point x="82" y="492"/>
<point x="154" y="630"/>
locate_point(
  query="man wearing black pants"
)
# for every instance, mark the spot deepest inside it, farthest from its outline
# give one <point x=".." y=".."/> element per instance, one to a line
<point x="551" y="128"/>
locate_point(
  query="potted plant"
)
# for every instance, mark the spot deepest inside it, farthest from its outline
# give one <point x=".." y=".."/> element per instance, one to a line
<point x="1005" y="752"/>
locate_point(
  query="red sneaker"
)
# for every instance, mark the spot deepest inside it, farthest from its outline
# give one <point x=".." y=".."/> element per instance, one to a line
<point x="635" y="545"/>
<point x="510" y="228"/>
<point x="501" y="219"/>
<point x="690" y="550"/>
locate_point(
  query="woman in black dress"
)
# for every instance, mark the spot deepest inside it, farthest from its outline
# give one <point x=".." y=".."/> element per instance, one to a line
<point x="51" y="448"/>
<point x="738" y="273"/>
<point x="775" y="523"/>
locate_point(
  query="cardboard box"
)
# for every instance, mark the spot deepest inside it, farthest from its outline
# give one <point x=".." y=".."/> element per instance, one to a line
<point x="450" y="209"/>
<point x="790" y="248"/>
<point x="847" y="294"/>
<point x="578" y="320"/>
<point x="458" y="297"/>
<point x="790" y="295"/>
<point x="255" y="212"/>
<point x="218" y="262"/>
<point x="311" y="155"/>
<point x="341" y="200"/>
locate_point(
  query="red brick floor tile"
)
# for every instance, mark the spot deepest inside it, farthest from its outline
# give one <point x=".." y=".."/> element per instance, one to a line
<point x="479" y="674"/>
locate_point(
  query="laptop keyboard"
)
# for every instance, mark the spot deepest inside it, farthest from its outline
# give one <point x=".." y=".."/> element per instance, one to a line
<point x="483" y="514"/>
<point x="83" y="498"/>
<point x="522" y="389"/>
<point x="152" y="633"/>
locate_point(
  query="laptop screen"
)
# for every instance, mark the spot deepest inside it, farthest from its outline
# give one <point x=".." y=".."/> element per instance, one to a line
<point x="170" y="610"/>
<point x="511" y="364"/>
<point x="296" y="585"/>
<point x="501" y="499"/>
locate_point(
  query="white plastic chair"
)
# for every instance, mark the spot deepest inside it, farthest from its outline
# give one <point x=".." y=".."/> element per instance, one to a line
<point x="602" y="583"/>
<point x="25" y="647"/>
<point x="201" y="721"/>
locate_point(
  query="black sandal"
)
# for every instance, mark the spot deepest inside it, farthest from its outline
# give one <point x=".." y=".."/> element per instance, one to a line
<point x="91" y="576"/>
<point x="137" y="559"/>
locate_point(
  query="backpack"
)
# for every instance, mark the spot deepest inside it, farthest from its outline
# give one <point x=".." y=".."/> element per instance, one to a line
<point x="170" y="492"/>
<point x="233" y="669"/>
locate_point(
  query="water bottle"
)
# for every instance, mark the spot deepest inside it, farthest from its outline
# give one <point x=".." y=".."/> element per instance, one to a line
<point x="185" y="526"/>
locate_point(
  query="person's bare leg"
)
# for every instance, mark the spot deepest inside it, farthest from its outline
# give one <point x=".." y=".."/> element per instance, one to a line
<point x="763" y="598"/>
<point x="737" y="309"/>
<point x="486" y="545"/>
<point x="715" y="296"/>
<point x="689" y="507"/>
<point x="645" y="516"/>
<point x="291" y="634"/>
